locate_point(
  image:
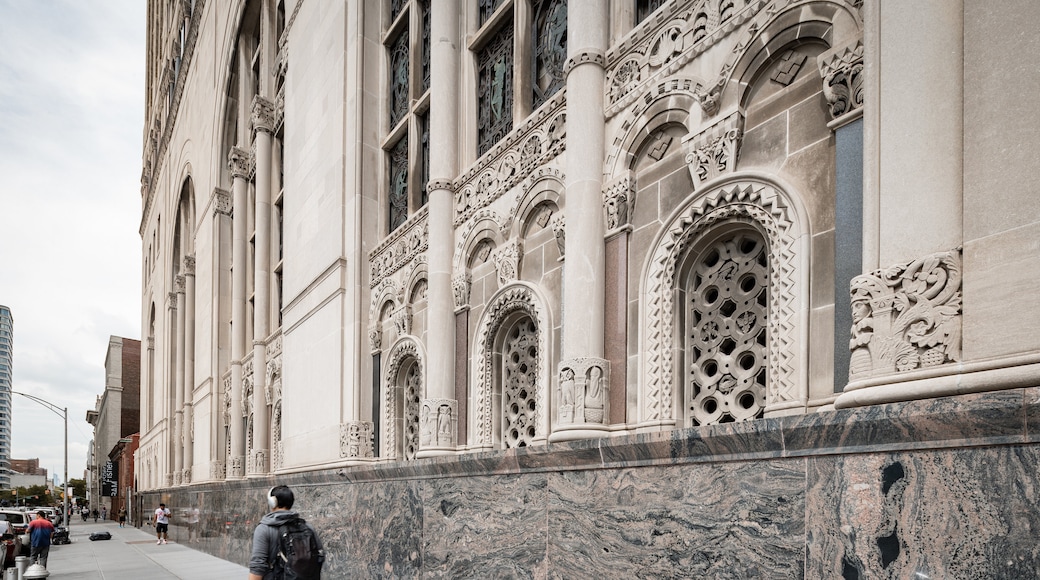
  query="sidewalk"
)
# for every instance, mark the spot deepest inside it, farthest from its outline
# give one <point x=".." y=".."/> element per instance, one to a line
<point x="131" y="554"/>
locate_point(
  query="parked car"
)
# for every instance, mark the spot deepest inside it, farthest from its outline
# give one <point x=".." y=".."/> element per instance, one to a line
<point x="10" y="543"/>
<point x="19" y="521"/>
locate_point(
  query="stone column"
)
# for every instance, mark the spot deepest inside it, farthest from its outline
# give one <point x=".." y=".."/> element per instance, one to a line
<point x="584" y="374"/>
<point x="189" y="365"/>
<point x="440" y="342"/>
<point x="221" y="269"/>
<point x="238" y="160"/>
<point x="263" y="126"/>
<point x="178" y="385"/>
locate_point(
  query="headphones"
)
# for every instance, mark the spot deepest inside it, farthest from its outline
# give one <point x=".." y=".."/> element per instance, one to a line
<point x="272" y="501"/>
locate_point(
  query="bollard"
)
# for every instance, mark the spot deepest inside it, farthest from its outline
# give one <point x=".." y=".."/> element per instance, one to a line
<point x="11" y="573"/>
<point x="35" y="572"/>
<point x="21" y="563"/>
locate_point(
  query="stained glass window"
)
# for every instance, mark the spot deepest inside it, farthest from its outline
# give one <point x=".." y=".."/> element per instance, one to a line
<point x="398" y="190"/>
<point x="396" y="6"/>
<point x="399" y="78"/>
<point x="487" y="8"/>
<point x="495" y="90"/>
<point x="549" y="34"/>
<point x="645" y="8"/>
<point x="424" y="151"/>
<point x="425" y="45"/>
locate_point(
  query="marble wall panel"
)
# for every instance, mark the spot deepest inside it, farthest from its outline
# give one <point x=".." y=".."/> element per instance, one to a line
<point x="966" y="513"/>
<point x="741" y="520"/>
<point x="484" y="527"/>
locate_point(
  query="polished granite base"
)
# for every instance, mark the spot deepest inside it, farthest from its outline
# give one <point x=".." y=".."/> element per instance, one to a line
<point x="943" y="488"/>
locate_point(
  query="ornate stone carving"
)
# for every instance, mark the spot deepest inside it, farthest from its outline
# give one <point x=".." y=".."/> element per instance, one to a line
<point x="217" y="470"/>
<point x="772" y="211"/>
<point x="258" y="465"/>
<point x="273" y="374"/>
<point x="560" y="232"/>
<point x="403" y="320"/>
<point x="221" y="202"/>
<point x="247" y="388"/>
<point x="519" y="298"/>
<point x="178" y="284"/>
<point x="401" y="247"/>
<point x="169" y="480"/>
<point x="186" y="476"/>
<point x="618" y="198"/>
<point x="460" y="287"/>
<point x="439" y="423"/>
<point x="238" y="162"/>
<point x="507" y="261"/>
<point x="375" y="339"/>
<point x="713" y="152"/>
<point x="237" y="467"/>
<point x="172" y="298"/>
<point x="907" y="316"/>
<point x="189" y="265"/>
<point x="402" y="354"/>
<point x="355" y="440"/>
<point x="226" y="416"/>
<point x="177" y="477"/>
<point x="584" y="384"/>
<point x="842" y="72"/>
<point x="263" y="115"/>
<point x="584" y="57"/>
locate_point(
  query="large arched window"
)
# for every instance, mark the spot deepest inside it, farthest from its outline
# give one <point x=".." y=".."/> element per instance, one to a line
<point x="517" y="381"/>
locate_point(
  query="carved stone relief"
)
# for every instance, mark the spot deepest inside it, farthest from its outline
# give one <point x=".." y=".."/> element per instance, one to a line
<point x="355" y="440"/>
<point x="559" y="232"/>
<point x="403" y="320"/>
<point x="439" y="423"/>
<point x="583" y="391"/>
<point x="263" y="115"/>
<point x="906" y="317"/>
<point x="217" y="470"/>
<point x="238" y="467"/>
<point x="713" y="152"/>
<point x="507" y="261"/>
<point x="618" y="198"/>
<point x="402" y="246"/>
<point x="842" y="72"/>
<point x="221" y="202"/>
<point x="460" y="287"/>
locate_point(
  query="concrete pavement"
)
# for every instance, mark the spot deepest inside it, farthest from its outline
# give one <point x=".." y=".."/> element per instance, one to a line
<point x="132" y="554"/>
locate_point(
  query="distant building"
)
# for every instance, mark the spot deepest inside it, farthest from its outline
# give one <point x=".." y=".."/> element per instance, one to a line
<point x="28" y="466"/>
<point x="115" y="417"/>
<point x="122" y="458"/>
<point x="6" y="376"/>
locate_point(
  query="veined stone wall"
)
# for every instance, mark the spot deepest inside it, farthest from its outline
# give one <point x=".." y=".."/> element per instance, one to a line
<point x="879" y="492"/>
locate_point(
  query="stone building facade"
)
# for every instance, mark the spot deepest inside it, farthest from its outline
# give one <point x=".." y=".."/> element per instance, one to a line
<point x="417" y="251"/>
<point x="116" y="417"/>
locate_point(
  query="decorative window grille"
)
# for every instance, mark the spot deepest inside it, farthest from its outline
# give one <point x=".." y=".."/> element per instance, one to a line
<point x="519" y="382"/>
<point x="396" y="6"/>
<point x="495" y="90"/>
<point x="487" y="8"/>
<point x="425" y="47"/>
<point x="411" y="392"/>
<point x="398" y="190"/>
<point x="549" y="35"/>
<point x="725" y="330"/>
<point x="645" y="8"/>
<point x="424" y="157"/>
<point x="399" y="97"/>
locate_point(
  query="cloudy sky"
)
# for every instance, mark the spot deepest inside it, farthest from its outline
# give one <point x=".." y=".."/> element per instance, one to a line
<point x="71" y="117"/>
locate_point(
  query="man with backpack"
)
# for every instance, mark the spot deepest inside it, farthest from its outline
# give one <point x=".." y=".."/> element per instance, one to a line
<point x="285" y="547"/>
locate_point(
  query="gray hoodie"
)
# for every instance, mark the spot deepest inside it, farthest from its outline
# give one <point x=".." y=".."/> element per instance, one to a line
<point x="265" y="543"/>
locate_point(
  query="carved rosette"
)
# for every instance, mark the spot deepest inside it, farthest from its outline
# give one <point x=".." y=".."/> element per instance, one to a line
<point x="355" y="440"/>
<point x="713" y="152"/>
<point x="906" y="317"/>
<point x="842" y="72"/>
<point x="618" y="198"/>
<point x="238" y="162"/>
<point x="439" y="424"/>
<point x="263" y="115"/>
<point x="507" y="262"/>
<point x="237" y="467"/>
<point x="460" y="287"/>
<point x="221" y="202"/>
<point x="583" y="387"/>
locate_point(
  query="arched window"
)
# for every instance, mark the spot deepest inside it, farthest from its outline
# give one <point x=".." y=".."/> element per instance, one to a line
<point x="409" y="383"/>
<point x="518" y="380"/>
<point x="725" y="293"/>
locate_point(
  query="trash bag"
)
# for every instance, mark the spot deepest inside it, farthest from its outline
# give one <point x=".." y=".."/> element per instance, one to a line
<point x="100" y="536"/>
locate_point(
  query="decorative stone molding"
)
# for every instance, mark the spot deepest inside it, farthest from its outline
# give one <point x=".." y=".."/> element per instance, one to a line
<point x="440" y="183"/>
<point x="401" y="354"/>
<point x="842" y="72"/>
<point x="507" y="261"/>
<point x="258" y="463"/>
<point x="221" y="202"/>
<point x="560" y="232"/>
<point x="439" y="424"/>
<point x="189" y="265"/>
<point x="277" y="456"/>
<point x="776" y="215"/>
<point x="375" y="339"/>
<point x="274" y="346"/>
<point x="172" y="299"/>
<point x="263" y="115"/>
<point x="583" y="389"/>
<point x="530" y="145"/>
<point x="355" y="440"/>
<point x="713" y="152"/>
<point x="618" y="200"/>
<point x="906" y="317"/>
<point x="217" y="470"/>
<point x="186" y="476"/>
<point x="273" y="384"/>
<point x="238" y="162"/>
<point x="281" y="59"/>
<point x="247" y="388"/>
<point x="177" y="477"/>
<point x="237" y="468"/>
<point x="169" y="480"/>
<point x="178" y="283"/>
<point x="519" y="298"/>
<point x="584" y="57"/>
<point x="403" y="320"/>
<point x="401" y="247"/>
<point x="460" y="287"/>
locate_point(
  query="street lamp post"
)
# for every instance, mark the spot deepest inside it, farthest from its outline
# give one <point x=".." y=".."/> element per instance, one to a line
<point x="62" y="412"/>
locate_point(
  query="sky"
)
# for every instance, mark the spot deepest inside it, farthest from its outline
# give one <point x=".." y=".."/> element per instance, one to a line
<point x="71" y="122"/>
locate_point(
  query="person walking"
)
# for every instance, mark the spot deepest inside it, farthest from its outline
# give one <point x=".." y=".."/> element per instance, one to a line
<point x="95" y="514"/>
<point x="161" y="518"/>
<point x="104" y="513"/>
<point x="267" y="561"/>
<point x="122" y="517"/>
<point x="40" y="530"/>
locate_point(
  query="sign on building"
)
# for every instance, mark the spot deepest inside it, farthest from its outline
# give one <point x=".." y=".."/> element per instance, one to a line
<point x="109" y="480"/>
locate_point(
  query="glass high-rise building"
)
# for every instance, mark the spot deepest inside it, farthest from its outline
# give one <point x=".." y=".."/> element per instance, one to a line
<point x="6" y="376"/>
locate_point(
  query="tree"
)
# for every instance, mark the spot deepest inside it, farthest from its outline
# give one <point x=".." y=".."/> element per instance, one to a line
<point x="79" y="487"/>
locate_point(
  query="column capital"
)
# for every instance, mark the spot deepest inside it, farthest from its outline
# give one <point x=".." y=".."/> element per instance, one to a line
<point x="263" y="115"/>
<point x="440" y="183"/>
<point x="842" y="71"/>
<point x="178" y="283"/>
<point x="588" y="56"/>
<point x="238" y="162"/>
<point x="221" y="202"/>
<point x="189" y="265"/>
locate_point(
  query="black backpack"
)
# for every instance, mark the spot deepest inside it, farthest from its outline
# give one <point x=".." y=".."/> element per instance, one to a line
<point x="300" y="555"/>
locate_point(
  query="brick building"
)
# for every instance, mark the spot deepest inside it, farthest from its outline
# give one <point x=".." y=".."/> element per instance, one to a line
<point x="116" y="416"/>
